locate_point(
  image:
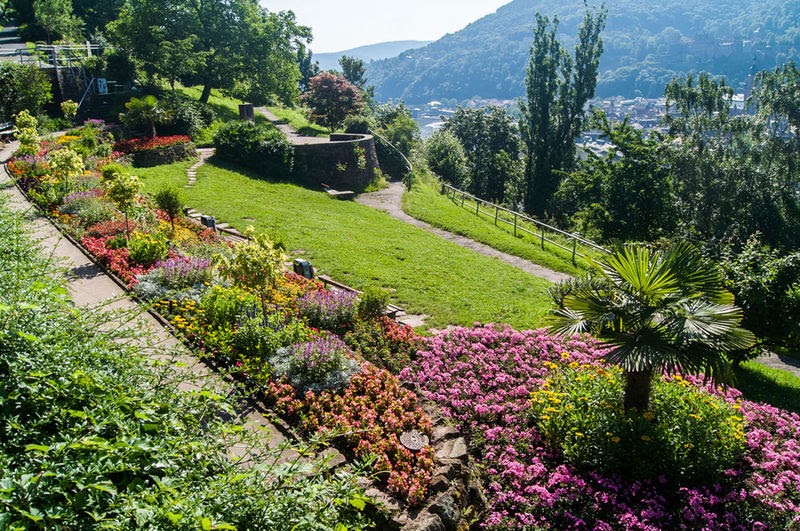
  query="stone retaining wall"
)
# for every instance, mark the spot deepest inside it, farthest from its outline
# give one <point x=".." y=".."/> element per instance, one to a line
<point x="347" y="162"/>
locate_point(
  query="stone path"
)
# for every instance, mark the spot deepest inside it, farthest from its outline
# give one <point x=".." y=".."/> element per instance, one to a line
<point x="777" y="361"/>
<point x="10" y="43"/>
<point x="293" y="136"/>
<point x="389" y="200"/>
<point x="203" y="154"/>
<point x="92" y="289"/>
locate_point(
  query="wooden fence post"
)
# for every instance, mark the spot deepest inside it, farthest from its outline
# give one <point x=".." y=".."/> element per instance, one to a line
<point x="542" y="238"/>
<point x="463" y="196"/>
<point x="574" y="248"/>
<point x="478" y="207"/>
<point x="515" y="223"/>
<point x="496" y="213"/>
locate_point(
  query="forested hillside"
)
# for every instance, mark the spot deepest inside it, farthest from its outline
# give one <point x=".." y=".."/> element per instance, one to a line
<point x="646" y="45"/>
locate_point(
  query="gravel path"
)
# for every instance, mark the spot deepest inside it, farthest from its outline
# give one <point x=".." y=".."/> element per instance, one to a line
<point x="389" y="200"/>
<point x="785" y="363"/>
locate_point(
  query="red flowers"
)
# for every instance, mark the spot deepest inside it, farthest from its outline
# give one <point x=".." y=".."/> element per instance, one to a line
<point x="144" y="144"/>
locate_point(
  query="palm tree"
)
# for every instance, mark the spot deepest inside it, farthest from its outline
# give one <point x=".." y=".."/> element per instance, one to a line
<point x="147" y="112"/>
<point x="656" y="311"/>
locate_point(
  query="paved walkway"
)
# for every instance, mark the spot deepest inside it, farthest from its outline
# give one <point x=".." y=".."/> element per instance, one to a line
<point x="92" y="289"/>
<point x="390" y="199"/>
<point x="293" y="136"/>
<point x="10" y="43"/>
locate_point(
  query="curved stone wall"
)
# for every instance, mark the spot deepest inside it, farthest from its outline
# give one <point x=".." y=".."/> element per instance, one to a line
<point x="347" y="162"/>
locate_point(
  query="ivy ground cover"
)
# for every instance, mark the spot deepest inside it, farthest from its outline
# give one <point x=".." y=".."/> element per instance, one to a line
<point x="483" y="378"/>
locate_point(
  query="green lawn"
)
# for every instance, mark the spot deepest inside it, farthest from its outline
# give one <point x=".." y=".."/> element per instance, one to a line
<point x="227" y="109"/>
<point x="361" y="247"/>
<point x="763" y="384"/>
<point x="426" y="203"/>
<point x="297" y="119"/>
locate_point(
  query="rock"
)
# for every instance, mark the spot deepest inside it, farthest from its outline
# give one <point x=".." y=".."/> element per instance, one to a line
<point x="444" y="432"/>
<point x="439" y="483"/>
<point x="459" y="449"/>
<point x="426" y="522"/>
<point x="445" y="506"/>
<point x="335" y="456"/>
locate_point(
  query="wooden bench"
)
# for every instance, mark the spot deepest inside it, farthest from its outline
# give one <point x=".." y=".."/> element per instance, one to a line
<point x="341" y="194"/>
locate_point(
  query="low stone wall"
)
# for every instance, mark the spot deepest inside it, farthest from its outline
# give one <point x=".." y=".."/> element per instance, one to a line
<point x="165" y="155"/>
<point x="347" y="162"/>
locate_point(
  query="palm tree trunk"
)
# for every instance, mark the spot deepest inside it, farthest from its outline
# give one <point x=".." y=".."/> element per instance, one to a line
<point x="637" y="390"/>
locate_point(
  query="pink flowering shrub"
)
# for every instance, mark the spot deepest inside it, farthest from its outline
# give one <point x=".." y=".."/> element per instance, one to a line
<point x="117" y="260"/>
<point x="483" y="377"/>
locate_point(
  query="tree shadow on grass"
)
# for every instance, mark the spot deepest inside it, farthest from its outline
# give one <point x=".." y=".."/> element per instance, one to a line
<point x="757" y="387"/>
<point x="254" y="174"/>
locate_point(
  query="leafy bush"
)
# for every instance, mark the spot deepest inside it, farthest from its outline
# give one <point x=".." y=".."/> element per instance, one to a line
<point x="255" y="146"/>
<point x="170" y="201"/>
<point x="22" y="87"/>
<point x="146" y="248"/>
<point x="256" y="340"/>
<point x="767" y="287"/>
<point x="687" y="434"/>
<point x="222" y="306"/>
<point x="189" y="117"/>
<point x="88" y="209"/>
<point x="320" y="364"/>
<point x="328" y="310"/>
<point x="357" y="123"/>
<point x="372" y="303"/>
<point x="384" y="343"/>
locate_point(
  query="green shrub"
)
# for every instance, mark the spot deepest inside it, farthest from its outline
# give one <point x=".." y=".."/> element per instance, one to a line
<point x="255" y="146"/>
<point x="384" y="343"/>
<point x="688" y="435"/>
<point x="170" y="200"/>
<point x="767" y="288"/>
<point x="358" y="124"/>
<point x="256" y="340"/>
<point x="189" y="117"/>
<point x="146" y="249"/>
<point x="89" y="210"/>
<point x="22" y="87"/>
<point x="373" y="302"/>
<point x="222" y="306"/>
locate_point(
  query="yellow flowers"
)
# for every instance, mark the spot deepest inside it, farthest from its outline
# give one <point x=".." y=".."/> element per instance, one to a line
<point x="646" y="438"/>
<point x="648" y="415"/>
<point x="615" y="439"/>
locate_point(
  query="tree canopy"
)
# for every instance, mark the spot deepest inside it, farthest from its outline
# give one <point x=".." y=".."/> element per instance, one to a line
<point x="235" y="45"/>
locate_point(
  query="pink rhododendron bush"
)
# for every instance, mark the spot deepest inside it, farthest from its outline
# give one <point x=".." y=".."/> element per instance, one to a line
<point x="538" y="455"/>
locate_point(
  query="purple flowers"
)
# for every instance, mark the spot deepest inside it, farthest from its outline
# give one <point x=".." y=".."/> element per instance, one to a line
<point x="482" y="378"/>
<point x="328" y="310"/>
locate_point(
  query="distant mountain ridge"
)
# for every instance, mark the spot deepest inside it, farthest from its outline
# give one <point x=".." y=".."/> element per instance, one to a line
<point x="371" y="52"/>
<point x="646" y="44"/>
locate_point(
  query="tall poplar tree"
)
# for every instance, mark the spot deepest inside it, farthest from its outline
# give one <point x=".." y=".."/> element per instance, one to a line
<point x="558" y="86"/>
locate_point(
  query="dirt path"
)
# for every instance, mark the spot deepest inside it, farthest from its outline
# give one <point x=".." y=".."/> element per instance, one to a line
<point x="291" y="134"/>
<point x="389" y="200"/>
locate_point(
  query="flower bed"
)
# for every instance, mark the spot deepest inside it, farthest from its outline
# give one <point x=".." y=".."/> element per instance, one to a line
<point x="483" y="378"/>
<point x="269" y="335"/>
<point x="149" y="152"/>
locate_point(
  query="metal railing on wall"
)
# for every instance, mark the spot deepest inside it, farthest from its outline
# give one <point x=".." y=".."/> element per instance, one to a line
<point x="521" y="223"/>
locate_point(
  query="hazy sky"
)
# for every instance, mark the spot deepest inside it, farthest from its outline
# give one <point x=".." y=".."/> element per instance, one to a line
<point x="345" y="24"/>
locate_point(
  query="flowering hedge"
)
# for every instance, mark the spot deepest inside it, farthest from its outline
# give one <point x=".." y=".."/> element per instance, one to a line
<point x="146" y="144"/>
<point x="483" y="377"/>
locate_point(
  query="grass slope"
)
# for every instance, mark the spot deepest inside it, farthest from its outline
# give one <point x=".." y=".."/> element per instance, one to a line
<point x="362" y="247"/>
<point x="425" y="203"/>
<point x="297" y="119"/>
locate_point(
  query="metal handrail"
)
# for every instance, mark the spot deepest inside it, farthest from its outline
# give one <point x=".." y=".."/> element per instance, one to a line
<point x="405" y="159"/>
<point x="86" y="93"/>
<point x="518" y="216"/>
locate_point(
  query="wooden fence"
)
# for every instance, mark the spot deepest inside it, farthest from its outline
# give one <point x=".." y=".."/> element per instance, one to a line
<point x="521" y="223"/>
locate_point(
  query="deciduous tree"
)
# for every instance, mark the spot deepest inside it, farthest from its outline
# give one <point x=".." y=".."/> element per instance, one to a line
<point x="557" y="88"/>
<point x="331" y="98"/>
